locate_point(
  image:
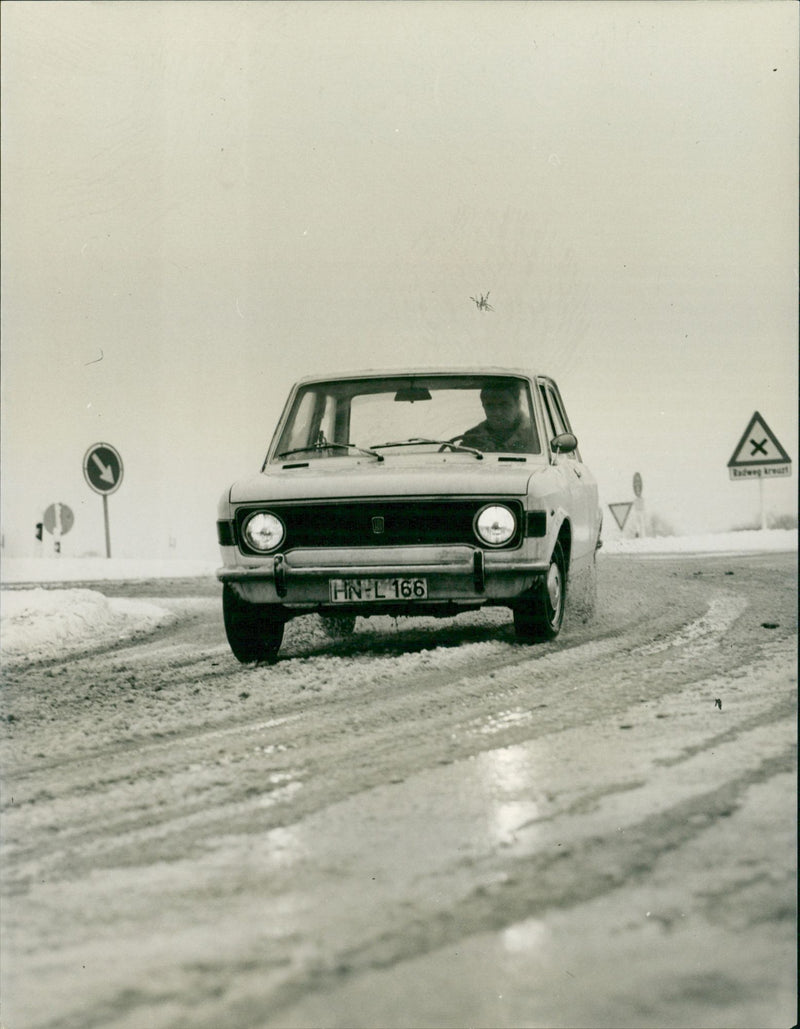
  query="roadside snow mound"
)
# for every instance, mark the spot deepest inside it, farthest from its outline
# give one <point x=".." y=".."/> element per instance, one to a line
<point x="31" y="570"/>
<point x="747" y="542"/>
<point x="40" y="623"/>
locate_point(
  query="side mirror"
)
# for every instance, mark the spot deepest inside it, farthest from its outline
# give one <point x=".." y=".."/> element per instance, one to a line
<point x="564" y="444"/>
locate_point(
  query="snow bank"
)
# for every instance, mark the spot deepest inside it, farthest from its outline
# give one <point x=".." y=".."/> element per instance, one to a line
<point x="755" y="541"/>
<point x="40" y="623"/>
<point x="98" y="569"/>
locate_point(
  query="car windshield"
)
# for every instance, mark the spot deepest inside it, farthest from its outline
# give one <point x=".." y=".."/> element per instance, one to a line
<point x="409" y="414"/>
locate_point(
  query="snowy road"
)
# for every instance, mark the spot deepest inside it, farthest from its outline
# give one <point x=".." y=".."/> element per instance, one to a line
<point x="424" y="825"/>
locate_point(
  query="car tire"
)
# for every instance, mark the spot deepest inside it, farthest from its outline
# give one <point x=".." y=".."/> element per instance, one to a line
<point x="540" y="614"/>
<point x="338" y="627"/>
<point x="254" y="631"/>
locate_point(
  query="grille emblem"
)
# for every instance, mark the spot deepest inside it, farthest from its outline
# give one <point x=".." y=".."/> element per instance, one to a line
<point x="378" y="525"/>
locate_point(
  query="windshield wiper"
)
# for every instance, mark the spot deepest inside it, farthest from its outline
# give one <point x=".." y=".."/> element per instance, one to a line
<point x="415" y="440"/>
<point x="329" y="446"/>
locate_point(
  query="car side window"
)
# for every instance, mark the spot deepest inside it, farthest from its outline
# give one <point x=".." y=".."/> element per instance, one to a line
<point x="554" y="415"/>
<point x="549" y="424"/>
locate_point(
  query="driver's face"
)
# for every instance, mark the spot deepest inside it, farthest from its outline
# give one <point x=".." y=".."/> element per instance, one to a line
<point x="502" y="411"/>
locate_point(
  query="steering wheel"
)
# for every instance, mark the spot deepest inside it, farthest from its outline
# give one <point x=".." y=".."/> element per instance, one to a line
<point x="451" y="444"/>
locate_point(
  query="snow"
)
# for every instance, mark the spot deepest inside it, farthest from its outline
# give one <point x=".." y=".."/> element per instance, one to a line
<point x="97" y="569"/>
<point x="748" y="542"/>
<point x="46" y="623"/>
<point x="38" y="623"/>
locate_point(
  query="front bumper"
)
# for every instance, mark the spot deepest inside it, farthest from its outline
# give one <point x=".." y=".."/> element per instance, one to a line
<point x="454" y="574"/>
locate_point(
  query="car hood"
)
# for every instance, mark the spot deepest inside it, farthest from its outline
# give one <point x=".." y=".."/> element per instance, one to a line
<point x="348" y="478"/>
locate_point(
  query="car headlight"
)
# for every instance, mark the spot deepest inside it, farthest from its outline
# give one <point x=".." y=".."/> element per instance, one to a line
<point x="264" y="531"/>
<point x="495" y="525"/>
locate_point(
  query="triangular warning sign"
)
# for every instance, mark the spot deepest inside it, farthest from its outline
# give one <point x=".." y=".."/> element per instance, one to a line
<point x="758" y="446"/>
<point x="620" y="512"/>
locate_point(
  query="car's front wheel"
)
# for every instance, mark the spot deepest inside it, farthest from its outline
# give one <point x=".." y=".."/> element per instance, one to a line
<point x="254" y="631"/>
<point x="539" y="615"/>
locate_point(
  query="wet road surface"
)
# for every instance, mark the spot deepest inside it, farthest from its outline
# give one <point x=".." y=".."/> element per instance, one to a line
<point x="423" y="825"/>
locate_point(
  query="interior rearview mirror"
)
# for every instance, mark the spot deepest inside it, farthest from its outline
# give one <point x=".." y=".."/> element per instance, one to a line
<point x="411" y="393"/>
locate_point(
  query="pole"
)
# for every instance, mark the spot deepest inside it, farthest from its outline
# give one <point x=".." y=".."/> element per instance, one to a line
<point x="761" y="501"/>
<point x="639" y="517"/>
<point x="105" y="519"/>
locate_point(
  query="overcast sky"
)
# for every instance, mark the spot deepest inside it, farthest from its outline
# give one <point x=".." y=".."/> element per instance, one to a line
<point x="203" y="202"/>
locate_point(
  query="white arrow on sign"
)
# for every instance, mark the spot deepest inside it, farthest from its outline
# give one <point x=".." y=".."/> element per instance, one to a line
<point x="102" y="468"/>
<point x="106" y="472"/>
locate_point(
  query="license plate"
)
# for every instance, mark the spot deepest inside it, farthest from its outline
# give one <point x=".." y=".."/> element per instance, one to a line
<point x="355" y="591"/>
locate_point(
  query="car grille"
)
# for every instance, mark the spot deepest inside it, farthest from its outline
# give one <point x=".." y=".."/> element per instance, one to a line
<point x="380" y="523"/>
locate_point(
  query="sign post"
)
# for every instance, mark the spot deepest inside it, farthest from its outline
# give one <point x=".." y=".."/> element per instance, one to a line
<point x="759" y="455"/>
<point x="641" y="521"/>
<point x="102" y="469"/>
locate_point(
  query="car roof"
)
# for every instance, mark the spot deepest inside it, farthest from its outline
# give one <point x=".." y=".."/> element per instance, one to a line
<point x="386" y="373"/>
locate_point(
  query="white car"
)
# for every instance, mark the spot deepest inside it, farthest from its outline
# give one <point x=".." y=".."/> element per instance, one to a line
<point x="415" y="492"/>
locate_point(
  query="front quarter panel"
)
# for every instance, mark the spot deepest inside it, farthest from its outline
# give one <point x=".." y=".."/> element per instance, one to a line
<point x="548" y="492"/>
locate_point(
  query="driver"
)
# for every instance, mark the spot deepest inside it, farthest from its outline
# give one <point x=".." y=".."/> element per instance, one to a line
<point x="506" y="427"/>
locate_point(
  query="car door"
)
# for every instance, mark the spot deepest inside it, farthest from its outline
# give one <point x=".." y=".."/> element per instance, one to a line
<point x="578" y="480"/>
